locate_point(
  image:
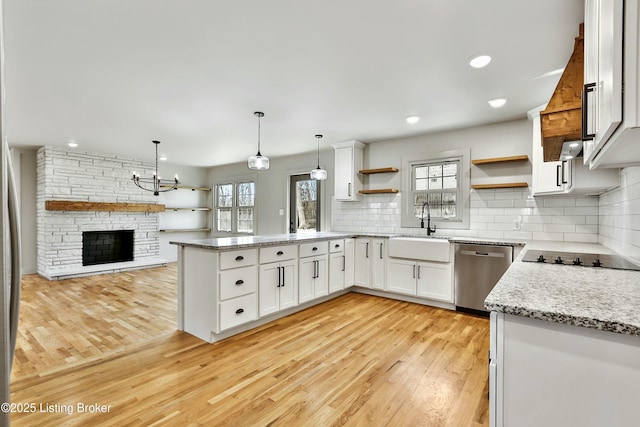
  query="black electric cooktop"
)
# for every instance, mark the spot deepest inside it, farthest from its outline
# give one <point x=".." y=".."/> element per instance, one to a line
<point x="580" y="259"/>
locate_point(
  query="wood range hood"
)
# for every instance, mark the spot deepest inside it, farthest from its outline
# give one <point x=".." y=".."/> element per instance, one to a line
<point x="561" y="121"/>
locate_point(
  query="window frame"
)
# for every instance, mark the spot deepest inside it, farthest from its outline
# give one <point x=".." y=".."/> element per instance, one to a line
<point x="461" y="221"/>
<point x="235" y="206"/>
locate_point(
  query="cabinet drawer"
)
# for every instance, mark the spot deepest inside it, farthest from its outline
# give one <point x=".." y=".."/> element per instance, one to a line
<point x="238" y="281"/>
<point x="237" y="311"/>
<point x="314" y="248"/>
<point x="234" y="259"/>
<point x="336" y="246"/>
<point x="278" y="253"/>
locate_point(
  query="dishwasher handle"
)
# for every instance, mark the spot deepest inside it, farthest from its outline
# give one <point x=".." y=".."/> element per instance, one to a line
<point x="483" y="254"/>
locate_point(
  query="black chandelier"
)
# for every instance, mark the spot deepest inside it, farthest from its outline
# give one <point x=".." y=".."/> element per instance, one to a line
<point x="155" y="184"/>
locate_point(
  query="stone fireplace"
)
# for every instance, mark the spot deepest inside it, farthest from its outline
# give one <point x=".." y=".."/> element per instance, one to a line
<point x="68" y="175"/>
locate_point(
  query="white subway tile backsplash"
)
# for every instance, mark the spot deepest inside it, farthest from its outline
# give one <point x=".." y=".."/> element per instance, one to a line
<point x="492" y="215"/>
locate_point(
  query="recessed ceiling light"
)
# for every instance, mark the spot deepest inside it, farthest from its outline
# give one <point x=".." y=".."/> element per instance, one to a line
<point x="162" y="158"/>
<point x="413" y="119"/>
<point x="480" y="61"/>
<point x="72" y="144"/>
<point x="497" y="102"/>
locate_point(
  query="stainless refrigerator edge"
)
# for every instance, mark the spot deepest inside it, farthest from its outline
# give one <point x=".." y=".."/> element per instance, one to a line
<point x="9" y="249"/>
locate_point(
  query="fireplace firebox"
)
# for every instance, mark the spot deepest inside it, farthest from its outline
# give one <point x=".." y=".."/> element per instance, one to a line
<point x="104" y="247"/>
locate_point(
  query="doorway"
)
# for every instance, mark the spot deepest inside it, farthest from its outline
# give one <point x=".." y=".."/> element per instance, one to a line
<point x="304" y="204"/>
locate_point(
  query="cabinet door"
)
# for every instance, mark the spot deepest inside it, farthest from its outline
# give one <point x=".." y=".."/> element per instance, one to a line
<point x="547" y="177"/>
<point x="306" y="279"/>
<point x="609" y="83"/>
<point x="343" y="173"/>
<point x="349" y="262"/>
<point x="378" y="264"/>
<point x="362" y="270"/>
<point x="269" y="285"/>
<point x="435" y="281"/>
<point x="289" y="287"/>
<point x="321" y="283"/>
<point x="336" y="272"/>
<point x="402" y="276"/>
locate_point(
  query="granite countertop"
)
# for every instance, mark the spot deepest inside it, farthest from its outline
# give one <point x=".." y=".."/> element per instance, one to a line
<point x="228" y="243"/>
<point x="598" y="298"/>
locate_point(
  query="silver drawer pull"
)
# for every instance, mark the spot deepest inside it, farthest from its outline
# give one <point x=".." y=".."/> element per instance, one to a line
<point x="240" y="311"/>
<point x="239" y="258"/>
<point x="239" y="282"/>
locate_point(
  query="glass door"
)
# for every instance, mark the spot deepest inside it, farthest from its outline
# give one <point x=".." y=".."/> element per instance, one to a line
<point x="304" y="204"/>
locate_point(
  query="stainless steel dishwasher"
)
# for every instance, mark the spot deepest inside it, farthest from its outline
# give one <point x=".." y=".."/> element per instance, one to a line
<point x="477" y="270"/>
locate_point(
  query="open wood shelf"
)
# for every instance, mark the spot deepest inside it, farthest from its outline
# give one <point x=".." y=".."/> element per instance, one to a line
<point x="378" y="170"/>
<point x="186" y="209"/>
<point x="500" y="160"/>
<point x="76" y="205"/>
<point x="379" y="191"/>
<point x="184" y="230"/>
<point x="500" y="185"/>
<point x="187" y="187"/>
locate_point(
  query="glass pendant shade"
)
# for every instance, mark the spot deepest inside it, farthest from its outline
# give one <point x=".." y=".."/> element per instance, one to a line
<point x="318" y="173"/>
<point x="258" y="162"/>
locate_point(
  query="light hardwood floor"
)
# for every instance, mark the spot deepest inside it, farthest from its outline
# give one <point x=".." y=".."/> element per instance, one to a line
<point x="356" y="360"/>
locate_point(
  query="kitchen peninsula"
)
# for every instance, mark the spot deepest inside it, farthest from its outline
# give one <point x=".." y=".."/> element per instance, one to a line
<point x="232" y="284"/>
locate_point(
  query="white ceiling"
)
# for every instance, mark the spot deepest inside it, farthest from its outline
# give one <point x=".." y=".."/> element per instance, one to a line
<point x="115" y="74"/>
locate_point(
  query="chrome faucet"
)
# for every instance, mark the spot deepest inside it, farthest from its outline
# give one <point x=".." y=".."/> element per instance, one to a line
<point x="429" y="229"/>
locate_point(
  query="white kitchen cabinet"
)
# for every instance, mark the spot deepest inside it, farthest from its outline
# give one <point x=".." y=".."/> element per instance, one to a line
<point x="431" y="280"/>
<point x="348" y="161"/>
<point x="543" y="373"/>
<point x="313" y="281"/>
<point x="565" y="176"/>
<point x="370" y="263"/>
<point x="349" y="262"/>
<point x="278" y="286"/>
<point x="435" y="281"/>
<point x="402" y="276"/>
<point x="612" y="83"/>
<point x="337" y="265"/>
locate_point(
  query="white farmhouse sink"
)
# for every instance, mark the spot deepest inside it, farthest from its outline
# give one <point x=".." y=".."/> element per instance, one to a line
<point x="423" y="248"/>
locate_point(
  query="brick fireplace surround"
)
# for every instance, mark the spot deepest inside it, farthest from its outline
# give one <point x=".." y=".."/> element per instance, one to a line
<point x="90" y="177"/>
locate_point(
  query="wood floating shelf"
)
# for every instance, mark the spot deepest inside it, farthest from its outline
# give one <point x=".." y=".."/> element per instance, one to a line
<point x="75" y="205"/>
<point x="186" y="187"/>
<point x="379" y="191"/>
<point x="184" y="230"/>
<point x="378" y="170"/>
<point x="500" y="160"/>
<point x="502" y="185"/>
<point x="186" y="209"/>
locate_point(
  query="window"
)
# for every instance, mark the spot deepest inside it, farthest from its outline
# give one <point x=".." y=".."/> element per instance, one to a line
<point x="235" y="206"/>
<point x="436" y="184"/>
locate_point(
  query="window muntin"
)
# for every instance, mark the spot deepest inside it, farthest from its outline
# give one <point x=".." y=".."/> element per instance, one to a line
<point x="436" y="182"/>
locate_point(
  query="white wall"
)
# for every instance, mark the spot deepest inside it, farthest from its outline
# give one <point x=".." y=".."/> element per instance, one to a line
<point x="620" y="215"/>
<point x="272" y="187"/>
<point x="192" y="177"/>
<point x="492" y="212"/>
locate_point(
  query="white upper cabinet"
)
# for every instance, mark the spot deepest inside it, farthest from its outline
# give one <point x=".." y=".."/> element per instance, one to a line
<point x="348" y="161"/>
<point x="611" y="117"/>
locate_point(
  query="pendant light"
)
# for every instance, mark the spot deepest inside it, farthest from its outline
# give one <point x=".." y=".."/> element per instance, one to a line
<point x="319" y="174"/>
<point x="155" y="183"/>
<point x="258" y="162"/>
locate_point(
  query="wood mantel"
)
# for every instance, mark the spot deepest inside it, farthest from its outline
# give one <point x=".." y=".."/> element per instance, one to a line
<point x="75" y="205"/>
